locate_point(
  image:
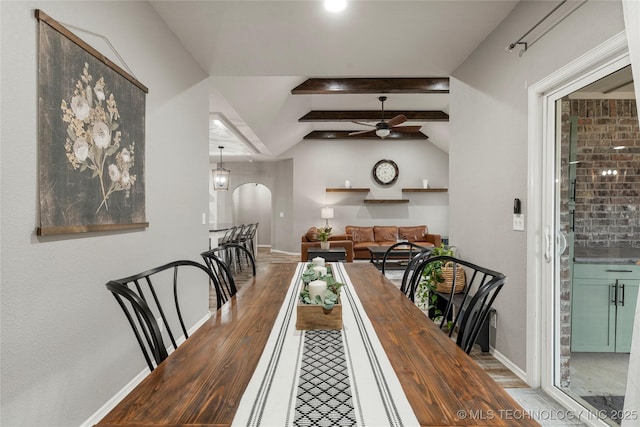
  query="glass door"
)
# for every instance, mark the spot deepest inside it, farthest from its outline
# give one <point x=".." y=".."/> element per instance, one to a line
<point x="597" y="241"/>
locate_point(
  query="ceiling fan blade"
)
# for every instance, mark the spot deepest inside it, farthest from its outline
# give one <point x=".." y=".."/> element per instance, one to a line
<point x="406" y="128"/>
<point x="363" y="132"/>
<point x="395" y="121"/>
<point x="364" y="124"/>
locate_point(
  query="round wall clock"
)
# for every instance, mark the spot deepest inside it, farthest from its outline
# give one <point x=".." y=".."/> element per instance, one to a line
<point x="385" y="172"/>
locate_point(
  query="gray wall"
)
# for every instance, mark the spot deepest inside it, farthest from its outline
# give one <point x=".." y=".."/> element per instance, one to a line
<point x="277" y="176"/>
<point x="321" y="164"/>
<point x="251" y="204"/>
<point x="298" y="184"/>
<point x="66" y="346"/>
<point x="488" y="154"/>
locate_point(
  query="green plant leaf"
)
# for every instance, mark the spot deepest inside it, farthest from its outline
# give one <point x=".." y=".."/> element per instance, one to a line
<point x="328" y="305"/>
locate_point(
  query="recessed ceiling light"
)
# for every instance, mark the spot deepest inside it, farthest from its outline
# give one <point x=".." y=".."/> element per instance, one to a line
<point x="335" y="5"/>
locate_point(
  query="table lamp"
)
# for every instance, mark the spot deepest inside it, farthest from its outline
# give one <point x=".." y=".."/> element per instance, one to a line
<point x="326" y="214"/>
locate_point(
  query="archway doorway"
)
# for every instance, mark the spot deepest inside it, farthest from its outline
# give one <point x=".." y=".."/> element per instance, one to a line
<point x="252" y="203"/>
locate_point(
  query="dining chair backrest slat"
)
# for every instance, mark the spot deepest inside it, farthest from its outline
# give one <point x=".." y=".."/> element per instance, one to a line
<point x="473" y="300"/>
<point x="141" y="298"/>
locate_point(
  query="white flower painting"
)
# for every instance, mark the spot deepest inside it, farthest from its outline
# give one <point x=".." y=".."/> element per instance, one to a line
<point x="91" y="139"/>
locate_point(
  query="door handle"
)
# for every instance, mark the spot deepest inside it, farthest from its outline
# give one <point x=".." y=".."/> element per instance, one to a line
<point x="547" y="252"/>
<point x="563" y="242"/>
<point x="619" y="271"/>
<point x="622" y="300"/>
<point x="615" y="293"/>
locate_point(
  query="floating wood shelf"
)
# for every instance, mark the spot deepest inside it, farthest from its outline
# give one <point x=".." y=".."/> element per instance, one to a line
<point x="386" y="201"/>
<point x="424" y="190"/>
<point x="347" y="190"/>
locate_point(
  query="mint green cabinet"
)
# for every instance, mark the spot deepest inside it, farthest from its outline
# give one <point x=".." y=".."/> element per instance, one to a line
<point x="603" y="302"/>
<point x="624" y="319"/>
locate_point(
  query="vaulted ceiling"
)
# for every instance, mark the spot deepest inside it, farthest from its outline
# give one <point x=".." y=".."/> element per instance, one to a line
<point x="257" y="52"/>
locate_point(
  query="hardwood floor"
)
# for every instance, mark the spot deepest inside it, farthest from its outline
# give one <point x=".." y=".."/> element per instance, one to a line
<point x="501" y="374"/>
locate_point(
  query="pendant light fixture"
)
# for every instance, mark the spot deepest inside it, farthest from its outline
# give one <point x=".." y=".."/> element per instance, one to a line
<point x="220" y="175"/>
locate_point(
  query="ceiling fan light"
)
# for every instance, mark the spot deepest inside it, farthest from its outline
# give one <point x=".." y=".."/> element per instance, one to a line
<point x="382" y="132"/>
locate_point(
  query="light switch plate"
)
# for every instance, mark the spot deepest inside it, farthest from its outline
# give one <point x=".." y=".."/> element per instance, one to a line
<point x="518" y="222"/>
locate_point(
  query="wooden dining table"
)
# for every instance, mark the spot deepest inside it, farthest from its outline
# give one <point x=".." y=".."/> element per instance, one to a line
<point x="203" y="381"/>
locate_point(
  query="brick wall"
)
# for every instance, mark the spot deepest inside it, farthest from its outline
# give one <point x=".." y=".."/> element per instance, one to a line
<point x="606" y="210"/>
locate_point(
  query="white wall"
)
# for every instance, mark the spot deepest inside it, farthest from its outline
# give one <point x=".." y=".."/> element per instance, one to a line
<point x="251" y="204"/>
<point x="321" y="164"/>
<point x="66" y="346"/>
<point x="277" y="177"/>
<point x="488" y="151"/>
<point x="298" y="182"/>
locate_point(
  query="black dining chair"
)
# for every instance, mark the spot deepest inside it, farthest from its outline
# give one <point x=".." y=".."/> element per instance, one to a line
<point x="141" y="297"/>
<point x="234" y="255"/>
<point x="391" y="253"/>
<point x="224" y="282"/>
<point x="472" y="300"/>
<point x="410" y="278"/>
<point x="249" y="237"/>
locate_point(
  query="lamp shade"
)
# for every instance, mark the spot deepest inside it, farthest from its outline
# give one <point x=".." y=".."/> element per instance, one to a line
<point x="326" y="213"/>
<point x="220" y="179"/>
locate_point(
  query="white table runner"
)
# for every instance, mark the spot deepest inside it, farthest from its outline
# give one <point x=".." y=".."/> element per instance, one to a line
<point x="344" y="378"/>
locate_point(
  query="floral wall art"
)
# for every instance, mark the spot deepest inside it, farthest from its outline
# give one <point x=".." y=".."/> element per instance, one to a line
<point x="91" y="138"/>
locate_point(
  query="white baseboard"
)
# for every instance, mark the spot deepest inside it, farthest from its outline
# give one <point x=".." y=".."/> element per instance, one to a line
<point x="111" y="403"/>
<point x="509" y="364"/>
<point x="285" y="252"/>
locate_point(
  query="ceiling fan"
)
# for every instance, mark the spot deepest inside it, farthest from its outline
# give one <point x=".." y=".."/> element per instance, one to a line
<point x="384" y="128"/>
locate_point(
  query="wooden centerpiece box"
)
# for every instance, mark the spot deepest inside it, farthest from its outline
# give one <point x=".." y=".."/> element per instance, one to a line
<point x="325" y="310"/>
<point x="316" y="317"/>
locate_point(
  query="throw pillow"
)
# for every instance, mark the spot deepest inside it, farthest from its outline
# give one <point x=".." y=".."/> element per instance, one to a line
<point x="385" y="233"/>
<point x="413" y="234"/>
<point x="312" y="235"/>
<point x="360" y="234"/>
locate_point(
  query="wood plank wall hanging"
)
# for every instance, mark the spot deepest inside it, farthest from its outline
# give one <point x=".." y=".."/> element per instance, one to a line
<point x="91" y="137"/>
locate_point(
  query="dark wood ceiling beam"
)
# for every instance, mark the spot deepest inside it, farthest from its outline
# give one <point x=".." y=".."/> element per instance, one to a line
<point x="372" y="85"/>
<point x="344" y="134"/>
<point x="348" y="116"/>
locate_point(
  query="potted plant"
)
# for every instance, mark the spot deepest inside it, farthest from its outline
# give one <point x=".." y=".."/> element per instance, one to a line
<point x="432" y="276"/>
<point x="323" y="234"/>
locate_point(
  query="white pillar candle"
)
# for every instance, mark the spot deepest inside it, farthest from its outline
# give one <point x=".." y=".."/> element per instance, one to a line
<point x="320" y="271"/>
<point x="318" y="261"/>
<point x="317" y="287"/>
<point x="425" y="183"/>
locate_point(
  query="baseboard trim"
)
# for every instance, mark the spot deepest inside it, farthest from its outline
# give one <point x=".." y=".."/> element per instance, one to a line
<point x="509" y="364"/>
<point x="111" y="403"/>
<point x="278" y="251"/>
